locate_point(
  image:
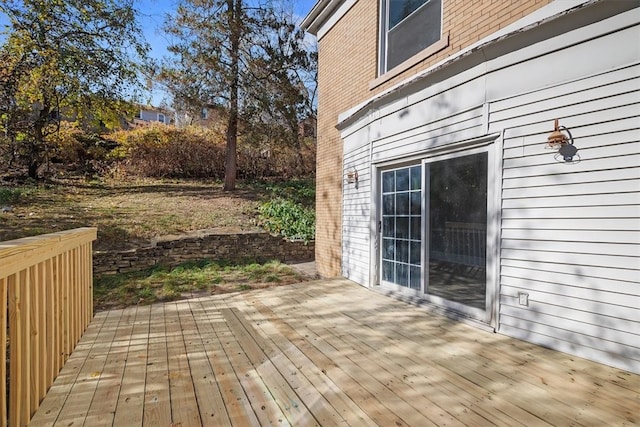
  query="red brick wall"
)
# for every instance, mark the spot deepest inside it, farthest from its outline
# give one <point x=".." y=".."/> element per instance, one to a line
<point x="348" y="60"/>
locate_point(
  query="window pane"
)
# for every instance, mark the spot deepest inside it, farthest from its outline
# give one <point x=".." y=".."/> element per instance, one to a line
<point x="402" y="250"/>
<point x="416" y="178"/>
<point x="458" y="224"/>
<point x="400" y="245"/>
<point x="387" y="271"/>
<point x="416" y="228"/>
<point x="402" y="274"/>
<point x="402" y="204"/>
<point x="414" y="277"/>
<point x="388" y="226"/>
<point x="402" y="180"/>
<point x="416" y="205"/>
<point x="388" y="249"/>
<point x="400" y="9"/>
<point x="402" y="227"/>
<point x="415" y="33"/>
<point x="414" y="257"/>
<point x="388" y="182"/>
<point x="388" y="204"/>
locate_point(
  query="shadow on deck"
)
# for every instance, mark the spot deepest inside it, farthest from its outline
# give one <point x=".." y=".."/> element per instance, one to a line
<point x="322" y="353"/>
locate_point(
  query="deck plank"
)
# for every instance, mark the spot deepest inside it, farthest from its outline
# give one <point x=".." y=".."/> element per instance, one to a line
<point x="105" y="399"/>
<point x="157" y="400"/>
<point x="240" y="393"/>
<point x="439" y="408"/>
<point x="496" y="370"/>
<point x="130" y="406"/>
<point x="350" y="413"/>
<point x="210" y="402"/>
<point x="322" y="353"/>
<point x="355" y="382"/>
<point x="313" y="399"/>
<point x="284" y="378"/>
<point x="409" y="344"/>
<point x="184" y="408"/>
<point x="58" y="396"/>
<point x="395" y="361"/>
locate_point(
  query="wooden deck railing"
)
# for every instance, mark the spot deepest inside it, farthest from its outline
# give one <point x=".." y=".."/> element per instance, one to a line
<point x="460" y="243"/>
<point x="46" y="301"/>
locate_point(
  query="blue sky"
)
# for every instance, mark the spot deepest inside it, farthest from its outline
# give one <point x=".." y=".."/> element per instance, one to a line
<point x="153" y="12"/>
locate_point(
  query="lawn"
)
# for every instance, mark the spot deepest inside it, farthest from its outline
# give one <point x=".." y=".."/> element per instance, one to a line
<point x="189" y="280"/>
<point x="131" y="213"/>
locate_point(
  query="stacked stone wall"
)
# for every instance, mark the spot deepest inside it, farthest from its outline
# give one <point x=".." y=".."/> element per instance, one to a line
<point x="172" y="251"/>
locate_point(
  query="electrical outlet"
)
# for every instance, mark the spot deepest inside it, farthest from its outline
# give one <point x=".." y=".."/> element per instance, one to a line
<point x="523" y="298"/>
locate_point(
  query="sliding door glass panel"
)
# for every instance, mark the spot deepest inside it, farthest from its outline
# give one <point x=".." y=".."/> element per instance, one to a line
<point x="458" y="229"/>
<point x="401" y="224"/>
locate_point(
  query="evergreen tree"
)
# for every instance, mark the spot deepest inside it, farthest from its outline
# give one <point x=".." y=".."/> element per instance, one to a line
<point x="243" y="58"/>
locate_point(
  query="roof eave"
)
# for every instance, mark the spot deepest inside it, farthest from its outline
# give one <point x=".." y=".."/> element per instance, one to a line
<point x="318" y="15"/>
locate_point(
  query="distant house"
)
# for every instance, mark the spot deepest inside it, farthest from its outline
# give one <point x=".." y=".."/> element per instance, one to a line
<point x="147" y="114"/>
<point x="443" y="176"/>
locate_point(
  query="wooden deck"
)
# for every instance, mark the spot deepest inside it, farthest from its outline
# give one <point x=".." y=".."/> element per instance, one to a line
<point x="322" y="353"/>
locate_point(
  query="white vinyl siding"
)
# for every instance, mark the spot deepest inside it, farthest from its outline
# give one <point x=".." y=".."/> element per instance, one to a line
<point x="356" y="216"/>
<point x="571" y="232"/>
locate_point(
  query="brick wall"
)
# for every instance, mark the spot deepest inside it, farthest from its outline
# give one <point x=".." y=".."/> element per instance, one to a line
<point x="170" y="252"/>
<point x="348" y="63"/>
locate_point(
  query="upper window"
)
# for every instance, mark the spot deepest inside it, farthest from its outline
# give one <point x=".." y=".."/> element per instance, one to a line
<point x="407" y="28"/>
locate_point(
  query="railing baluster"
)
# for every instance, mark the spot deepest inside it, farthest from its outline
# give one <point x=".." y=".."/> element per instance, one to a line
<point x="46" y="286"/>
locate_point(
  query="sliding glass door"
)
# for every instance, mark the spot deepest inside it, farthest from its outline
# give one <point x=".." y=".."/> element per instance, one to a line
<point x="433" y="230"/>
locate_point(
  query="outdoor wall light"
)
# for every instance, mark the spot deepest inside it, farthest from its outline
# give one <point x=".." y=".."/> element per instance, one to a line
<point x="563" y="143"/>
<point x="352" y="176"/>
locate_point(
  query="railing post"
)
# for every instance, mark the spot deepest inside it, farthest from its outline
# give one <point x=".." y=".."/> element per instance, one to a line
<point x="3" y="351"/>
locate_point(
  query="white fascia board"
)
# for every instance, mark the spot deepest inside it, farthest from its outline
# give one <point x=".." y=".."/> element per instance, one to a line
<point x="324" y="15"/>
<point x="544" y="14"/>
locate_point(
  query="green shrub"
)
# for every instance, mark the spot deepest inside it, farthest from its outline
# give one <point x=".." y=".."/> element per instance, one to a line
<point x="9" y="196"/>
<point x="13" y="196"/>
<point x="301" y="191"/>
<point x="288" y="219"/>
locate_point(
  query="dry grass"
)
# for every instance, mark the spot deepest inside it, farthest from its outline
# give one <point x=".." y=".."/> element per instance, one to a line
<point x="129" y="213"/>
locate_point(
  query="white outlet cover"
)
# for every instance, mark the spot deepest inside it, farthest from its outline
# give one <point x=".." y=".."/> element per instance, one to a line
<point x="523" y="298"/>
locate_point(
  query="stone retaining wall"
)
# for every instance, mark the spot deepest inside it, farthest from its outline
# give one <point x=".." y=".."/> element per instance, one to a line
<point x="173" y="250"/>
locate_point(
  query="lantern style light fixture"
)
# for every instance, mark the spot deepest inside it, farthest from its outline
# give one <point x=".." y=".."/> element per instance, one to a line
<point x="563" y="143"/>
<point x="352" y="176"/>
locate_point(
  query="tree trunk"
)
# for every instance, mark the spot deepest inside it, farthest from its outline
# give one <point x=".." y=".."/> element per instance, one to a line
<point x="231" y="166"/>
<point x="33" y="168"/>
<point x="37" y="143"/>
